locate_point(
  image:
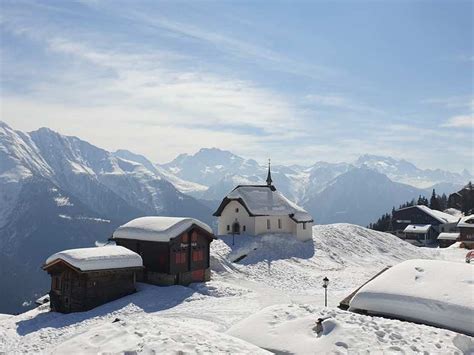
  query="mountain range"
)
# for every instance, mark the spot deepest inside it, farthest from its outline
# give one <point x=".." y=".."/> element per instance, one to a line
<point x="356" y="192"/>
<point x="59" y="192"/>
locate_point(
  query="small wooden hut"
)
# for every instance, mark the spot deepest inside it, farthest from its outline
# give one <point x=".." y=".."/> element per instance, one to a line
<point x="175" y="250"/>
<point x="82" y="279"/>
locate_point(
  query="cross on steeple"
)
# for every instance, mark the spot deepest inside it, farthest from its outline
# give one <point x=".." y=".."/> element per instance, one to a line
<point x="269" y="176"/>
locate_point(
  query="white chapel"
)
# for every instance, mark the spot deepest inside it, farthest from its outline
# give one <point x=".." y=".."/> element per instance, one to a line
<point x="261" y="209"/>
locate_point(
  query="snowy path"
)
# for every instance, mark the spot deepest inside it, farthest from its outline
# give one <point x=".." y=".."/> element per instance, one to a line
<point x="269" y="300"/>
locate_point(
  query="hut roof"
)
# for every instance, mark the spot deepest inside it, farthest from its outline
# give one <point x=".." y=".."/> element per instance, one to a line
<point x="417" y="228"/>
<point x="98" y="258"/>
<point x="157" y="229"/>
<point x="467" y="221"/>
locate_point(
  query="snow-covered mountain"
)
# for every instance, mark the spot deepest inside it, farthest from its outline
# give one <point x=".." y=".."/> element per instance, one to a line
<point x="359" y="196"/>
<point x="220" y="171"/>
<point x="406" y="172"/>
<point x="60" y="192"/>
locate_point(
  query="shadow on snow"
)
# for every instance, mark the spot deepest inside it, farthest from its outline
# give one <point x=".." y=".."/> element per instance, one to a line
<point x="148" y="298"/>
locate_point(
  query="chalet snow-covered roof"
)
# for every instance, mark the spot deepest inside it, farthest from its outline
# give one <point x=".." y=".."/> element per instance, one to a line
<point x="467" y="221"/>
<point x="438" y="215"/>
<point x="264" y="200"/>
<point x="417" y="228"/>
<point x="98" y="258"/>
<point x="448" y="236"/>
<point x="157" y="228"/>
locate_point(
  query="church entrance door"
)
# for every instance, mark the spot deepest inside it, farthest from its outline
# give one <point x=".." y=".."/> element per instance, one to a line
<point x="236" y="228"/>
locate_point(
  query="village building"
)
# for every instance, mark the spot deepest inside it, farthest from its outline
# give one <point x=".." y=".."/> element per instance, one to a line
<point x="466" y="231"/>
<point x="462" y="198"/>
<point x="82" y="279"/>
<point x="261" y="209"/>
<point x="421" y="225"/>
<point x="447" y="239"/>
<point x="175" y="250"/>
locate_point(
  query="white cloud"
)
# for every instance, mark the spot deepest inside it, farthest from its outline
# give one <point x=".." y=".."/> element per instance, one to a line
<point x="160" y="103"/>
<point x="342" y="102"/>
<point x="460" y="121"/>
<point x="452" y="102"/>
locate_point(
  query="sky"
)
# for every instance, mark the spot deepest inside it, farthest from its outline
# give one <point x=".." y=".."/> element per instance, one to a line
<point x="297" y="81"/>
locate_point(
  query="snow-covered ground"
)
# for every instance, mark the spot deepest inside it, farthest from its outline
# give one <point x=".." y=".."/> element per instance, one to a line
<point x="268" y="301"/>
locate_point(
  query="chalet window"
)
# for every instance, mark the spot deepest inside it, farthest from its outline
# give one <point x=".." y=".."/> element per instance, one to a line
<point x="243" y="229"/>
<point x="185" y="238"/>
<point x="228" y="227"/>
<point x="194" y="237"/>
<point x="268" y="224"/>
<point x="279" y="223"/>
<point x="180" y="257"/>
<point x="236" y="210"/>
<point x="198" y="255"/>
<point x="304" y="225"/>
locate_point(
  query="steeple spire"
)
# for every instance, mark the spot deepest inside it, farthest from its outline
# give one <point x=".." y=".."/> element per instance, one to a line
<point x="269" y="176"/>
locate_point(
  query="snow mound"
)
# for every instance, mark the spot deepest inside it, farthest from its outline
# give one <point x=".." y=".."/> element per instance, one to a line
<point x="282" y="262"/>
<point x="291" y="328"/>
<point x="427" y="291"/>
<point x="169" y="336"/>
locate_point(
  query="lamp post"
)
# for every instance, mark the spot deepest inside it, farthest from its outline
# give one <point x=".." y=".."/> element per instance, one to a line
<point x="325" y="285"/>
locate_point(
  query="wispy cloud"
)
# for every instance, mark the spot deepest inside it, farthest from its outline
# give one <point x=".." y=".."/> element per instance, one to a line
<point x="342" y="102"/>
<point x="460" y="121"/>
<point x="452" y="102"/>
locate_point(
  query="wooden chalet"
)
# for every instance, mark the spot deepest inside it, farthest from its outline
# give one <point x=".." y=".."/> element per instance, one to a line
<point x="421" y="225"/>
<point x="447" y="239"/>
<point x="174" y="250"/>
<point x="82" y="279"/>
<point x="458" y="199"/>
<point x="466" y="231"/>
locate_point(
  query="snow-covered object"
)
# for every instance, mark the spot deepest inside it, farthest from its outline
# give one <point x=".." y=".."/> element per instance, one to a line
<point x="417" y="228"/>
<point x="157" y="228"/>
<point x="98" y="258"/>
<point x="440" y="216"/>
<point x="427" y="291"/>
<point x="262" y="200"/>
<point x="453" y="212"/>
<point x="291" y="329"/>
<point x="467" y="222"/>
<point x="448" y="236"/>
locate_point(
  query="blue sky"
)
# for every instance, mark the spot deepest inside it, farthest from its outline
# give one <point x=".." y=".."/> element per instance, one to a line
<point x="298" y="81"/>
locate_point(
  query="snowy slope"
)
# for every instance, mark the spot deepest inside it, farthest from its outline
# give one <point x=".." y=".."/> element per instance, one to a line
<point x="248" y="307"/>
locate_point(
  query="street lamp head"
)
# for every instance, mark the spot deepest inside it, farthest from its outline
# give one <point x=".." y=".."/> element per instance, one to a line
<point x="325" y="282"/>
